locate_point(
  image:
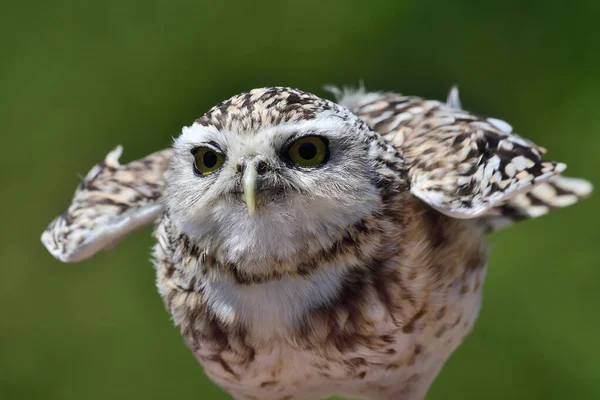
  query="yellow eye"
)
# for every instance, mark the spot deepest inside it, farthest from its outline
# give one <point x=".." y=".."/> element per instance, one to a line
<point x="207" y="160"/>
<point x="309" y="151"/>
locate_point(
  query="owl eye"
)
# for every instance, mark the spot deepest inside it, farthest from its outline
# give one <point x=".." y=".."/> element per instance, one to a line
<point x="309" y="151"/>
<point x="207" y="160"/>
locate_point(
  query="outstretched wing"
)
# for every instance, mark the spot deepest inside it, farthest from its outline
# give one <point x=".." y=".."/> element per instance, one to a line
<point x="465" y="165"/>
<point x="112" y="201"/>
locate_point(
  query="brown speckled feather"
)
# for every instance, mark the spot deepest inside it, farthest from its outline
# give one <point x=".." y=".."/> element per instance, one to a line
<point x="559" y="191"/>
<point x="111" y="201"/>
<point x="409" y="302"/>
<point x="465" y="165"/>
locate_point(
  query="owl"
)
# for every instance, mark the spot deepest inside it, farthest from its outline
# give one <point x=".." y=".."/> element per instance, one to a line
<point x="308" y="248"/>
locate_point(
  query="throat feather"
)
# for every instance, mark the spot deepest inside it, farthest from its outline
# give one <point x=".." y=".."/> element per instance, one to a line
<point x="275" y="307"/>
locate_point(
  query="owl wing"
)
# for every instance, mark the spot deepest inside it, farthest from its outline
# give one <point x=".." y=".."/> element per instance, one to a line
<point x="465" y="165"/>
<point x="112" y="201"/>
<point x="557" y="192"/>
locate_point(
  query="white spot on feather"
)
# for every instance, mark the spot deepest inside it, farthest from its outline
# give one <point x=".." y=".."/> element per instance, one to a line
<point x="502" y="125"/>
<point x="519" y="163"/>
<point x="578" y="186"/>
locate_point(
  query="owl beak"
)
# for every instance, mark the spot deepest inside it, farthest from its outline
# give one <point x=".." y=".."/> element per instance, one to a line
<point x="249" y="181"/>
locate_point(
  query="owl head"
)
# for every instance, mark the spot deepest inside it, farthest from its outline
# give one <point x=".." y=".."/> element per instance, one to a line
<point x="273" y="172"/>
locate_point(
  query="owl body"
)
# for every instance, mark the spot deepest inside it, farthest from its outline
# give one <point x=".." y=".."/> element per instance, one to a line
<point x="307" y="248"/>
<point x="384" y="333"/>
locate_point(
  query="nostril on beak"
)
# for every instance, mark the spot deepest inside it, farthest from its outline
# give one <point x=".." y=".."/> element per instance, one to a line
<point x="261" y="167"/>
<point x="250" y="169"/>
<point x="239" y="167"/>
<point x="259" y="163"/>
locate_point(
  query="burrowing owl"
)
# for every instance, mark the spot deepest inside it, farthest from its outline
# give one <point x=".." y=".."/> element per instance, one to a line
<point x="307" y="248"/>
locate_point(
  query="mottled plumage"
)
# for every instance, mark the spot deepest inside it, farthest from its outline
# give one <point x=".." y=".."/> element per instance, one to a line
<point x="356" y="276"/>
<point x="466" y="165"/>
<point x="111" y="201"/>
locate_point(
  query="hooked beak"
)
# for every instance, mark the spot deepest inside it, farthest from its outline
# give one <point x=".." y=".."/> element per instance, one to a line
<point x="249" y="182"/>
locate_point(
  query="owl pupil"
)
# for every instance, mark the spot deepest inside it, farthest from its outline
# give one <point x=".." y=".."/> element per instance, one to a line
<point x="307" y="151"/>
<point x="209" y="159"/>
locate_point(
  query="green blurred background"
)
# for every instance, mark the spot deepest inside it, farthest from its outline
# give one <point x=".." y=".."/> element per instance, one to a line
<point x="77" y="78"/>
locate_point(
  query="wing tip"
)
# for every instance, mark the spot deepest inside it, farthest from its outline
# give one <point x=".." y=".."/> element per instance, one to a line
<point x="579" y="187"/>
<point x="55" y="245"/>
<point x="51" y="245"/>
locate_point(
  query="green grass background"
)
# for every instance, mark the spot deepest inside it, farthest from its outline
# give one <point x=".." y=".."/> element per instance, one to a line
<point x="77" y="78"/>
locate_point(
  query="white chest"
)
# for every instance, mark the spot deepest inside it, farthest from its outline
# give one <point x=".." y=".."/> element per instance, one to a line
<point x="273" y="308"/>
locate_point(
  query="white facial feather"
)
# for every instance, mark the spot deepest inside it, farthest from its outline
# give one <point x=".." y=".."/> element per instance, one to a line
<point x="320" y="203"/>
